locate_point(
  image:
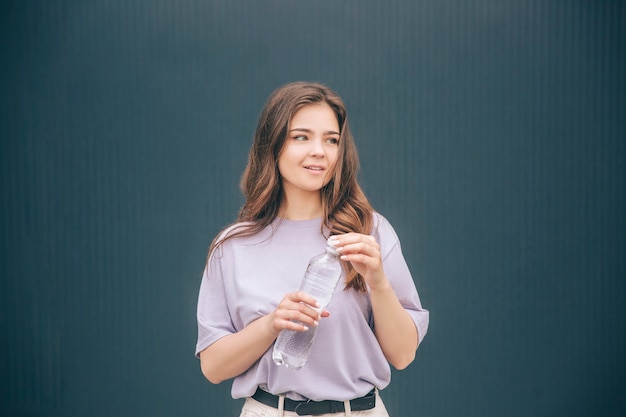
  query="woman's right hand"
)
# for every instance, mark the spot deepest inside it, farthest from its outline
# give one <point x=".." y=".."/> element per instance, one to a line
<point x="296" y="311"/>
<point x="237" y="352"/>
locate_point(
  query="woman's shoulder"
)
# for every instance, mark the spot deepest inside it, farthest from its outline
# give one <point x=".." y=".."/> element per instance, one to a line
<point x="233" y="229"/>
<point x="234" y="236"/>
<point x="242" y="233"/>
<point x="382" y="230"/>
<point x="380" y="221"/>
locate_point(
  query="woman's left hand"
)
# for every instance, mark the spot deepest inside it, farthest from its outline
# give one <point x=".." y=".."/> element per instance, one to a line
<point x="363" y="252"/>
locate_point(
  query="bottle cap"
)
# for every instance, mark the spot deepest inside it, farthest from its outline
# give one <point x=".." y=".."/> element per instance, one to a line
<point x="330" y="245"/>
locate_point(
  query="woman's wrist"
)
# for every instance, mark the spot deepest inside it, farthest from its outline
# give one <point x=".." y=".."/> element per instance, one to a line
<point x="380" y="285"/>
<point x="268" y="325"/>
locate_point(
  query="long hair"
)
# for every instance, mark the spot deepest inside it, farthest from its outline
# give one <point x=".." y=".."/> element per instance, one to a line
<point x="345" y="206"/>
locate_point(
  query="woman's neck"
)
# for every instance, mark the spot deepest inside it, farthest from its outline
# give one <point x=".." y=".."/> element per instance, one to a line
<point x="301" y="207"/>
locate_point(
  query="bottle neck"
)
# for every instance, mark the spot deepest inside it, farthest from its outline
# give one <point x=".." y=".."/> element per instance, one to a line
<point x="332" y="251"/>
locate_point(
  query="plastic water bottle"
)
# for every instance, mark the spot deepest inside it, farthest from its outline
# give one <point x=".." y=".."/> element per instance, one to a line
<point x="292" y="347"/>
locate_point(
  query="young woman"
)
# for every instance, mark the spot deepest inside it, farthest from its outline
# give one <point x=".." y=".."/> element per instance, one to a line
<point x="300" y="187"/>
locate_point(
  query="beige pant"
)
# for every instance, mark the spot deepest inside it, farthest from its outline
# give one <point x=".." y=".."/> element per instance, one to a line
<point x="253" y="408"/>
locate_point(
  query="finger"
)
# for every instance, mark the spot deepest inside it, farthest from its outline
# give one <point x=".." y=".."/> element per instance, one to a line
<point x="297" y="311"/>
<point x="361" y="249"/>
<point x="294" y="325"/>
<point x="352" y="237"/>
<point x="302" y="297"/>
<point x="308" y="318"/>
<point x="295" y="306"/>
<point x="295" y="320"/>
<point x="368" y="261"/>
<point x="350" y="240"/>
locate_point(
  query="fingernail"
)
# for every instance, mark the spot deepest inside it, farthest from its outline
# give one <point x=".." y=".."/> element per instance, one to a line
<point x="305" y="328"/>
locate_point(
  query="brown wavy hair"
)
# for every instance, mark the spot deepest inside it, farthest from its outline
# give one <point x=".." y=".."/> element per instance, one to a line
<point x="345" y="206"/>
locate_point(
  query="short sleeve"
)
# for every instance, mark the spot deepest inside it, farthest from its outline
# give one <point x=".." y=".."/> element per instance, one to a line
<point x="214" y="320"/>
<point x="399" y="275"/>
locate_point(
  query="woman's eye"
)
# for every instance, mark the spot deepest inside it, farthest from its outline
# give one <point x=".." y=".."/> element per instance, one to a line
<point x="333" y="141"/>
<point x="300" y="137"/>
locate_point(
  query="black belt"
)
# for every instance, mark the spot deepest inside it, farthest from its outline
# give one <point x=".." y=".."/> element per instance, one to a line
<point x="313" y="408"/>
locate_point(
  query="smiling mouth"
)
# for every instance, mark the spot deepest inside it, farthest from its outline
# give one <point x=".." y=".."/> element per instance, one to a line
<point x="312" y="168"/>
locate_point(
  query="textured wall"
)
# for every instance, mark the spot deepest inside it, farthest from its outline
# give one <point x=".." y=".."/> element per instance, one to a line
<point x="491" y="134"/>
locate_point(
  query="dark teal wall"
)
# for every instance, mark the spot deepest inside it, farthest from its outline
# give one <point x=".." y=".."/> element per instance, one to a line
<point x="491" y="134"/>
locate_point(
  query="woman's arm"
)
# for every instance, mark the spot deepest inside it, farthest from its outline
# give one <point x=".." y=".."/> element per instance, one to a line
<point x="393" y="326"/>
<point x="235" y="353"/>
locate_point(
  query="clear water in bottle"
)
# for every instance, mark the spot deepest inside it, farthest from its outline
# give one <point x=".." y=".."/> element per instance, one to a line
<point x="292" y="347"/>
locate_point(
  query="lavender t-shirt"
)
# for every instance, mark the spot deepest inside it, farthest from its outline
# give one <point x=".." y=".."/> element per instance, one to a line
<point x="247" y="277"/>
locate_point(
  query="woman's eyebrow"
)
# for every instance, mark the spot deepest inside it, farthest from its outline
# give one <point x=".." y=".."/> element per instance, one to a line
<point x="302" y="129"/>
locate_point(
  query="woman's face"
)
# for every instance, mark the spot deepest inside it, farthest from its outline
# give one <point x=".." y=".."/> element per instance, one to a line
<point x="307" y="160"/>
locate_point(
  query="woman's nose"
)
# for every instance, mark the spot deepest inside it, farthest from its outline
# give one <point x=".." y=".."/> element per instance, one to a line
<point x="317" y="148"/>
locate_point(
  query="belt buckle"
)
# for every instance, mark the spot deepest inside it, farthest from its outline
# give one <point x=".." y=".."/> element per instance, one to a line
<point x="314" y="408"/>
